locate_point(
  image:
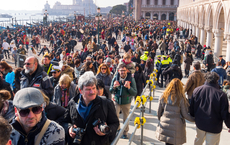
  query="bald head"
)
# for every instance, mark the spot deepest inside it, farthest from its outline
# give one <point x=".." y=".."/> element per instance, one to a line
<point x="31" y="65"/>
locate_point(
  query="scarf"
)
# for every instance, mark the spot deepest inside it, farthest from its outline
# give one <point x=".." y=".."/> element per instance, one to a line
<point x="5" y="108"/>
<point x="126" y="62"/>
<point x="64" y="97"/>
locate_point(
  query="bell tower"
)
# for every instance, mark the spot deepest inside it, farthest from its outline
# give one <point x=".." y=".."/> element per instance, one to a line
<point x="137" y="10"/>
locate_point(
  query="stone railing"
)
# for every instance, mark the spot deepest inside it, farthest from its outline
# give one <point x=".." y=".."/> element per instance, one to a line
<point x="159" y="6"/>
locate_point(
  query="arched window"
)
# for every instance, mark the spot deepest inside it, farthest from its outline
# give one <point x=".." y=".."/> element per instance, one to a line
<point x="163" y="17"/>
<point x="171" y="16"/>
<point x="164" y="2"/>
<point x="148" y="2"/>
<point x="156" y="2"/>
<point x="147" y="15"/>
<point x="172" y="2"/>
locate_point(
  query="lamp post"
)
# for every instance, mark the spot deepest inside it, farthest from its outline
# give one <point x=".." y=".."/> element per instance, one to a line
<point x="123" y="16"/>
<point x="45" y="18"/>
<point x="75" y="17"/>
<point x="98" y="17"/>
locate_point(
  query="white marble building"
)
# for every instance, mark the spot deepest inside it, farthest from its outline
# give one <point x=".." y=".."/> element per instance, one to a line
<point x="84" y="7"/>
<point x="209" y="20"/>
<point x="156" y="9"/>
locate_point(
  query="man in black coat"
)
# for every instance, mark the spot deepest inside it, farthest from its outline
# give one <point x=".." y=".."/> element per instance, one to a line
<point x="209" y="61"/>
<point x="127" y="47"/>
<point x="173" y="72"/>
<point x="85" y="108"/>
<point x="209" y="106"/>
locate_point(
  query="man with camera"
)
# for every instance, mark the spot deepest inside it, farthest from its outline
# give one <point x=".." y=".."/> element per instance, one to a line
<point x="123" y="94"/>
<point x="93" y="119"/>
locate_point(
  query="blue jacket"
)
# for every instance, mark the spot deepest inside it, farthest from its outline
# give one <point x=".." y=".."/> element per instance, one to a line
<point x="222" y="74"/>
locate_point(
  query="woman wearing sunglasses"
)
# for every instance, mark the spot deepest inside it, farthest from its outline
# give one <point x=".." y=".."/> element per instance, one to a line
<point x="64" y="91"/>
<point x="104" y="74"/>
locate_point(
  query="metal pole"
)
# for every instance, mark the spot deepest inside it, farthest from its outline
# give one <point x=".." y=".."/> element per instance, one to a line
<point x="132" y="136"/>
<point x="98" y="30"/>
<point x="17" y="59"/>
<point x="150" y="88"/>
<point x="122" y="24"/>
<point x="124" y="126"/>
<point x="142" y="126"/>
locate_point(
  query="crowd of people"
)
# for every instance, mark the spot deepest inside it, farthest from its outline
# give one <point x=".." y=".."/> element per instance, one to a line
<point x="76" y="93"/>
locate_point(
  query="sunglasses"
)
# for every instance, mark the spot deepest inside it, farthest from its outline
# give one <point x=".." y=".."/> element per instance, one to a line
<point x="69" y="60"/>
<point x="27" y="63"/>
<point x="103" y="68"/>
<point x="26" y="112"/>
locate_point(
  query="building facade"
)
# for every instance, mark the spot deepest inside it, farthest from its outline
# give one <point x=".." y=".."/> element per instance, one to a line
<point x="156" y="9"/>
<point x="209" y="20"/>
<point x="84" y="7"/>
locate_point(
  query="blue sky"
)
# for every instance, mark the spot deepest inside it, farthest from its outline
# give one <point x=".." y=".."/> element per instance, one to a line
<point x="39" y="4"/>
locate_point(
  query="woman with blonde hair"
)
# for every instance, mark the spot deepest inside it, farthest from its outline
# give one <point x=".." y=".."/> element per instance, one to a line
<point x="64" y="91"/>
<point x="104" y="74"/>
<point x="172" y="112"/>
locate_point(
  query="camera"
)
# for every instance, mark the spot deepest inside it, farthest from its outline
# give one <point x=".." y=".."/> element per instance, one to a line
<point x="102" y="126"/>
<point x="79" y="134"/>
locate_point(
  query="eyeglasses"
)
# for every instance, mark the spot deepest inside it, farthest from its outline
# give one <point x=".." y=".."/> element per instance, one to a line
<point x="27" y="63"/>
<point x="26" y="112"/>
<point x="103" y="68"/>
<point x="69" y="60"/>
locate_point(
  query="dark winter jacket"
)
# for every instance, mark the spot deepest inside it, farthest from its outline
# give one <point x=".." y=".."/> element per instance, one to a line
<point x="55" y="112"/>
<point x="140" y="79"/>
<point x="188" y="63"/>
<point x="209" y="106"/>
<point x="38" y="80"/>
<point x="72" y="116"/>
<point x="173" y="71"/>
<point x="54" y="81"/>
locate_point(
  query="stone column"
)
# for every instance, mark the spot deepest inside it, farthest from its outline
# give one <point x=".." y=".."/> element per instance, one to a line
<point x="159" y="16"/>
<point x="167" y="16"/>
<point x="202" y="35"/>
<point x="193" y="30"/>
<point x="218" y="43"/>
<point x="209" y="37"/>
<point x="151" y="2"/>
<point x="197" y="32"/>
<point x="228" y="48"/>
<point x="143" y="14"/>
<point x="137" y="9"/>
<point x="151" y="15"/>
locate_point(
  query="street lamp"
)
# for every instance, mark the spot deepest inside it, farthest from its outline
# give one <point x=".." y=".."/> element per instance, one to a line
<point x="75" y="17"/>
<point x="45" y="18"/>
<point x="123" y="16"/>
<point x="98" y="18"/>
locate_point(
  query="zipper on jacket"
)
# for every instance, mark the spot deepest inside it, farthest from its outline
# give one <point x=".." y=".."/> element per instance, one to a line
<point x="25" y="136"/>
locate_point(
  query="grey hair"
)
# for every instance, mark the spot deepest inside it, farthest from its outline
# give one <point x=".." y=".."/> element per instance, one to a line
<point x="87" y="79"/>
